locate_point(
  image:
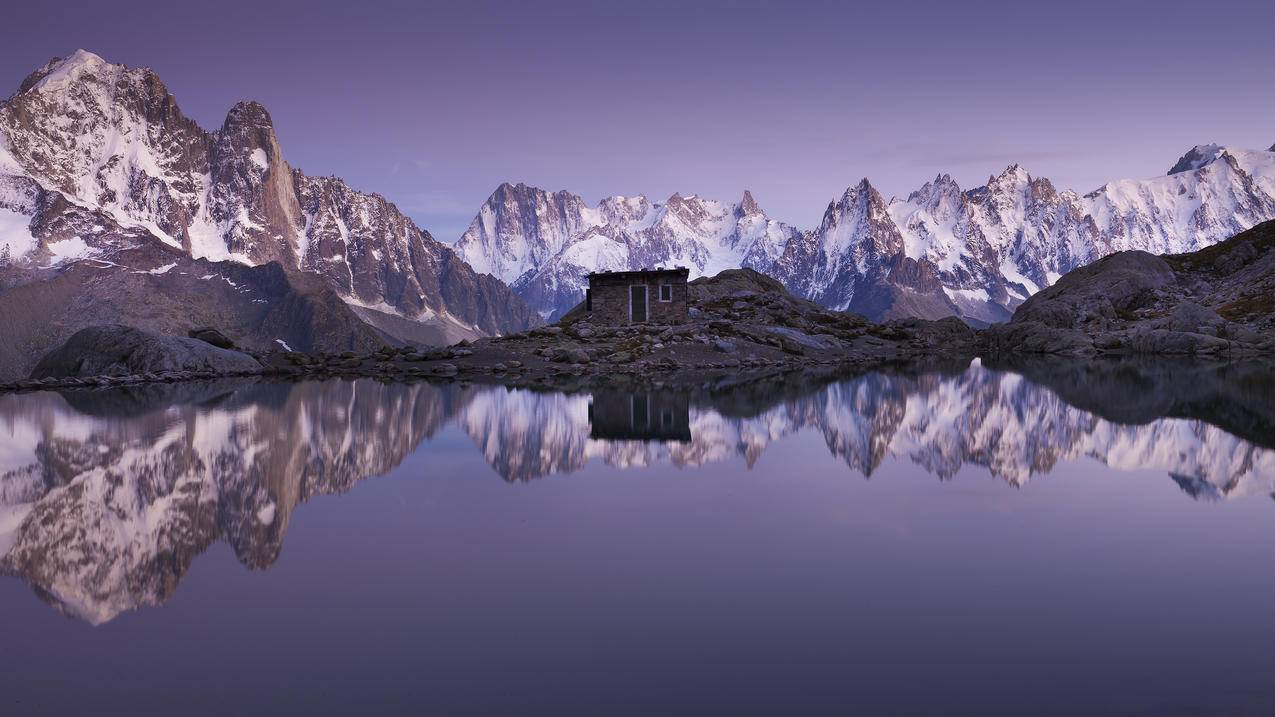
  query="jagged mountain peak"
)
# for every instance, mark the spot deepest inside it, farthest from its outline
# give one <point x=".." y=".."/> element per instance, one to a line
<point x="747" y="205"/>
<point x="60" y="70"/>
<point x="934" y="191"/>
<point x="858" y="195"/>
<point x="1012" y="176"/>
<point x="1197" y="157"/>
<point x="518" y="188"/>
<point x="248" y="113"/>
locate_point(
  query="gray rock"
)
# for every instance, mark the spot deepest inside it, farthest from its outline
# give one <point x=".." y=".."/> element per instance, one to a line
<point x="212" y="336"/>
<point x="568" y="354"/>
<point x="1117" y="284"/>
<point x="1190" y="316"/>
<point x="817" y="341"/>
<point x="115" y="350"/>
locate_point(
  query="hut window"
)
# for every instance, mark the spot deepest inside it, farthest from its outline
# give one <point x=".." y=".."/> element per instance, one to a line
<point x="666" y="292"/>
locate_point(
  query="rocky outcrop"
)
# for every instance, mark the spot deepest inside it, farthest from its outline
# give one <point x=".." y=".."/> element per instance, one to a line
<point x="125" y="351"/>
<point x="161" y="289"/>
<point x="732" y="283"/>
<point x="1216" y="301"/>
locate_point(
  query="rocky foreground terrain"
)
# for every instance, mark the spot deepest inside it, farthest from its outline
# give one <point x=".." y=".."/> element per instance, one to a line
<point x="743" y="326"/>
<point x="1217" y="303"/>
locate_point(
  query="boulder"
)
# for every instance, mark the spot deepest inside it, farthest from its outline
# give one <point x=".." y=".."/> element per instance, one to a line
<point x="116" y="350"/>
<point x="1105" y="289"/>
<point x="1191" y="317"/>
<point x="733" y="283"/>
<point x="212" y="336"/>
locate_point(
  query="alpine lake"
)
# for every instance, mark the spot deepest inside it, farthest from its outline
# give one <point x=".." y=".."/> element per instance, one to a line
<point x="1045" y="539"/>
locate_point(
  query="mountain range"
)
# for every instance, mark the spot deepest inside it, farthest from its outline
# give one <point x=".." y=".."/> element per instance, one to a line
<point x="100" y="170"/>
<point x="941" y="251"/>
<point x="117" y="208"/>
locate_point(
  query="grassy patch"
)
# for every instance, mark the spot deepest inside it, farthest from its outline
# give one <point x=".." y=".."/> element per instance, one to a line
<point x="1246" y="306"/>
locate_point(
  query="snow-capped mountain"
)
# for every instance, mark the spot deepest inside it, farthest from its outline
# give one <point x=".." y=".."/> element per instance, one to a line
<point x="942" y="251"/>
<point x="85" y="135"/>
<point x="543" y="244"/>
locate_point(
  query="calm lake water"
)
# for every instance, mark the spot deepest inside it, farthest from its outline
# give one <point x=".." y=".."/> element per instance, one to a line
<point x="1057" y="541"/>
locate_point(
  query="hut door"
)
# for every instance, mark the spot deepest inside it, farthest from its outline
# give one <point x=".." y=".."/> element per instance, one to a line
<point x="637" y="303"/>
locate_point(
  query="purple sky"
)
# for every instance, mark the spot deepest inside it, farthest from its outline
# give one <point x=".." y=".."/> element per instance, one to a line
<point x="433" y="107"/>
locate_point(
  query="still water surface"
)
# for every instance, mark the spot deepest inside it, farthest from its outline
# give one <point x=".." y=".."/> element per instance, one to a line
<point x="973" y="542"/>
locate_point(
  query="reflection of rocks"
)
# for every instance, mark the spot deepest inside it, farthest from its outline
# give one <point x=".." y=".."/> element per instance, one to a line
<point x="107" y="497"/>
<point x="102" y="515"/>
<point x="1237" y="397"/>
<point x="1010" y="426"/>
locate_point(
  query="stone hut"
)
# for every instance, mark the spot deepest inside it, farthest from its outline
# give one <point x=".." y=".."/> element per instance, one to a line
<point x="656" y="296"/>
<point x="649" y="416"/>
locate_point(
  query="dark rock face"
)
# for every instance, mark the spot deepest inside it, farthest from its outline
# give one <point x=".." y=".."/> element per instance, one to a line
<point x="125" y="351"/>
<point x="212" y="336"/>
<point x="161" y="289"/>
<point x="1195" y="158"/>
<point x="1119" y="283"/>
<point x="1216" y="301"/>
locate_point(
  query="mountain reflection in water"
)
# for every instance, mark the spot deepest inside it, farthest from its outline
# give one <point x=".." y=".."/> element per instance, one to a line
<point x="106" y="498"/>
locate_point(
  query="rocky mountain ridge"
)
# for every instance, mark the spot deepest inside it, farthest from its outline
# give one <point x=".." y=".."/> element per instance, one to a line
<point x="942" y="251"/>
<point x="95" y="156"/>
